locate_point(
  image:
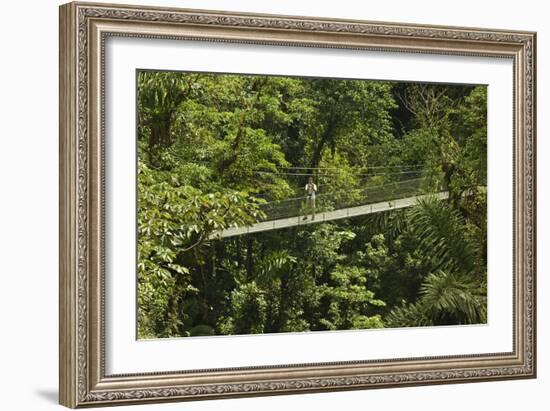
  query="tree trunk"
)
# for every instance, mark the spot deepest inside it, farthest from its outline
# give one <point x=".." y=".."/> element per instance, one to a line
<point x="328" y="135"/>
<point x="249" y="260"/>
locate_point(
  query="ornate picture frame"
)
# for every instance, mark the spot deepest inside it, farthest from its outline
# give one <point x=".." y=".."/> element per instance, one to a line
<point x="84" y="29"/>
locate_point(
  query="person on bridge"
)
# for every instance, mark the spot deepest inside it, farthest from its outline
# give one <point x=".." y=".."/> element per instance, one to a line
<point x="311" y="190"/>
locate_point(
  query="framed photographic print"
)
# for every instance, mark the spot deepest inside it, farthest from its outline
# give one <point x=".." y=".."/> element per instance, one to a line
<point x="259" y="204"/>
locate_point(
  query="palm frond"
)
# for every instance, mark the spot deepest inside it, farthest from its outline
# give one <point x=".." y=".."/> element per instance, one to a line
<point x="440" y="231"/>
<point x="454" y="298"/>
<point x="407" y="315"/>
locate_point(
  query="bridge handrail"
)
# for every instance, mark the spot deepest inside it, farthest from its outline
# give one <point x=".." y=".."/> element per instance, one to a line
<point x="343" y="191"/>
<point x="294" y="206"/>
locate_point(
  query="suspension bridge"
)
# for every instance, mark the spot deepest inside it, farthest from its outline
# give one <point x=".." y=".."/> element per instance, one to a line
<point x="337" y="205"/>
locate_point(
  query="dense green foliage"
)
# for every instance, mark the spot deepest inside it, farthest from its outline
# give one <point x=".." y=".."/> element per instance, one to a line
<point x="213" y="148"/>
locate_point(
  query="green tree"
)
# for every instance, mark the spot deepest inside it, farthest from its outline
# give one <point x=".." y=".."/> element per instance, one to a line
<point x="214" y="149"/>
<point x="455" y="291"/>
